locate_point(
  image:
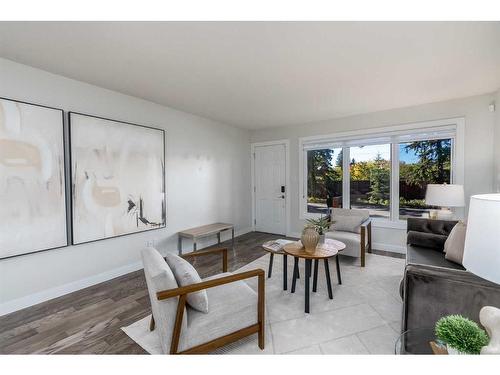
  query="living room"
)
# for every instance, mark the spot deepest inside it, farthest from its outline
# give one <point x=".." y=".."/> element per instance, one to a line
<point x="325" y="188"/>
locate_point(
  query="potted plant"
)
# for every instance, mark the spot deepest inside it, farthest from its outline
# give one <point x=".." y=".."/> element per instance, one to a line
<point x="320" y="225"/>
<point x="461" y="335"/>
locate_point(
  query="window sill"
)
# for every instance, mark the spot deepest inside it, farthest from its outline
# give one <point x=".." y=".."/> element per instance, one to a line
<point x="386" y="223"/>
<point x="376" y="222"/>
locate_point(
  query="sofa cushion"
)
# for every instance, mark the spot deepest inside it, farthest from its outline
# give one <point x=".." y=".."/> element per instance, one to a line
<point x="454" y="245"/>
<point x="185" y="274"/>
<point x="348" y="220"/>
<point x="428" y="257"/>
<point x="442" y="227"/>
<point x="233" y="307"/>
<point x="423" y="239"/>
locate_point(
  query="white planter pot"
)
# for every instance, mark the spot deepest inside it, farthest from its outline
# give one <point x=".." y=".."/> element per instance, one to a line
<point x="453" y="351"/>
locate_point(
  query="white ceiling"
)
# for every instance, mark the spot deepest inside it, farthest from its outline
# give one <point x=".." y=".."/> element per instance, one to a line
<point x="263" y="74"/>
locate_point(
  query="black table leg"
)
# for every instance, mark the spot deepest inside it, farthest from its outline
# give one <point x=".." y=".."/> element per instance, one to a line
<point x="285" y="268"/>
<point x="271" y="259"/>
<point x="295" y="273"/>
<point x="308" y="277"/>
<point x="315" y="280"/>
<point x="328" y="281"/>
<point x="338" y="269"/>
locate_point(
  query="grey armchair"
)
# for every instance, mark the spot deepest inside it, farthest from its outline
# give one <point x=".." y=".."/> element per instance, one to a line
<point x="354" y="228"/>
<point x="235" y="310"/>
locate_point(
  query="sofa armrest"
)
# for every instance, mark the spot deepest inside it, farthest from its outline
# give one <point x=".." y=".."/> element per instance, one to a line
<point x="432" y="292"/>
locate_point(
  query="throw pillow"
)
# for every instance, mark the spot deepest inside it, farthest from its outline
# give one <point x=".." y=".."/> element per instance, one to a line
<point x="347" y="223"/>
<point x="185" y="274"/>
<point x="454" y="245"/>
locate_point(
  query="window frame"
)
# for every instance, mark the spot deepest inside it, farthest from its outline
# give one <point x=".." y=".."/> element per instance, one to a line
<point x="394" y="135"/>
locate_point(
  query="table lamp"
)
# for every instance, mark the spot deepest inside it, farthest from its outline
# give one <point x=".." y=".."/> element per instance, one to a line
<point x="482" y="257"/>
<point x="445" y="196"/>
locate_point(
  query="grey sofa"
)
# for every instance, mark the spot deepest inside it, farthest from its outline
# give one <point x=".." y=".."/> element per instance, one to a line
<point x="432" y="286"/>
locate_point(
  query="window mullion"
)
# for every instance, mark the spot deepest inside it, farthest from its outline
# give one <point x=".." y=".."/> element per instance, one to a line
<point x="394" y="181"/>
<point x="346" y="193"/>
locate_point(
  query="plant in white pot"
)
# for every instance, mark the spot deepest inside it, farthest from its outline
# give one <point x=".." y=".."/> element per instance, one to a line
<point x="461" y="335"/>
<point x="320" y="225"/>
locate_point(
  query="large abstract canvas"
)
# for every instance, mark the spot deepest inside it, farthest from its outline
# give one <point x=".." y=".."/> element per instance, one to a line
<point x="32" y="179"/>
<point x="117" y="178"/>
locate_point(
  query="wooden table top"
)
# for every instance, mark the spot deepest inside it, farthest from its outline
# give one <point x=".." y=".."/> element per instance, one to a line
<point x="327" y="249"/>
<point x="206" y="230"/>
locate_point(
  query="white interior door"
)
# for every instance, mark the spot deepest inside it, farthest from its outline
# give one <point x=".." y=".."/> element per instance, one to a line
<point x="270" y="189"/>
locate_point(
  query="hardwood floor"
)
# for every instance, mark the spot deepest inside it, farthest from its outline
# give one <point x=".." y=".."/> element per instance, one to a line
<point x="88" y="321"/>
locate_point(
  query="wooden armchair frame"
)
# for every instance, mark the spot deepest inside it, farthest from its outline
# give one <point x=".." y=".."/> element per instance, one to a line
<point x="366" y="227"/>
<point x="183" y="291"/>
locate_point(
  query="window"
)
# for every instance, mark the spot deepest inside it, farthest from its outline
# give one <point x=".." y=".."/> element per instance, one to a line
<point x="324" y="180"/>
<point x="370" y="184"/>
<point x="385" y="172"/>
<point x="421" y="163"/>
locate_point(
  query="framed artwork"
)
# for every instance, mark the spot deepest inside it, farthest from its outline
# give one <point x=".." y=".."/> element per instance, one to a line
<point x="117" y="178"/>
<point x="33" y="213"/>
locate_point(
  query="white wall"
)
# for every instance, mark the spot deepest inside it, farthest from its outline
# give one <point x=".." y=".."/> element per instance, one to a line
<point x="207" y="180"/>
<point x="479" y="129"/>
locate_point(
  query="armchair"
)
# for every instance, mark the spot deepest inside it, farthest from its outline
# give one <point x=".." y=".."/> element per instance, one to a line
<point x="235" y="310"/>
<point x="354" y="228"/>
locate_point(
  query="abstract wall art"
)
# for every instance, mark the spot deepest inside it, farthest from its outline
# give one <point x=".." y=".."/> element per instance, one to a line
<point x="117" y="178"/>
<point x="32" y="179"/>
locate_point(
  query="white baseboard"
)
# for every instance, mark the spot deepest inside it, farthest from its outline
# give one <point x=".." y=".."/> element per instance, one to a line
<point x="387" y="247"/>
<point x="243" y="231"/>
<point x="58" y="291"/>
<point x="294" y="234"/>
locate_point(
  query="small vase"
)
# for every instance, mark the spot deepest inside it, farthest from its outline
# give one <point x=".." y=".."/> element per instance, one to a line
<point x="310" y="239"/>
<point x="321" y="239"/>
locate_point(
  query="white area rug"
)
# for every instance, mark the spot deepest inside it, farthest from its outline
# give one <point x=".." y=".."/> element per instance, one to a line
<point x="364" y="316"/>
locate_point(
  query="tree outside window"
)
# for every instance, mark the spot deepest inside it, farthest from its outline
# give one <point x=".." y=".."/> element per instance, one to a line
<point x="324" y="180"/>
<point x="370" y="171"/>
<point x="421" y="163"/>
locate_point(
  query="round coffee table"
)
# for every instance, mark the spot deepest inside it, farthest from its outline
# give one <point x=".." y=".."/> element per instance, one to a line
<point x="328" y="249"/>
<point x="272" y="248"/>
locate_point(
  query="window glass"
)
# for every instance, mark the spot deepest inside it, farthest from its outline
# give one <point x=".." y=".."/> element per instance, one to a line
<point x="370" y="179"/>
<point x="324" y="179"/>
<point x="421" y="163"/>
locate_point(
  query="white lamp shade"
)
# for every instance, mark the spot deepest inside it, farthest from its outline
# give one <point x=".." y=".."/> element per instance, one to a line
<point x="482" y="240"/>
<point x="445" y="195"/>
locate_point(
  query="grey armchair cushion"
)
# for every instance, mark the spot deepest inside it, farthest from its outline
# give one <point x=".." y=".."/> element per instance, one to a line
<point x="185" y="274"/>
<point x="159" y="277"/>
<point x="351" y="240"/>
<point x="348" y="220"/>
<point x="424" y="239"/>
<point x="233" y="307"/>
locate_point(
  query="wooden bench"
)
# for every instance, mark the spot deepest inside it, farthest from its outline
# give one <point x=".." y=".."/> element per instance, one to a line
<point x="205" y="231"/>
